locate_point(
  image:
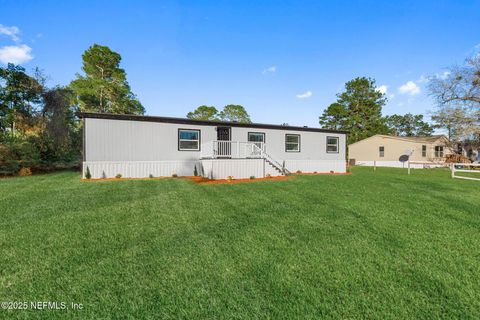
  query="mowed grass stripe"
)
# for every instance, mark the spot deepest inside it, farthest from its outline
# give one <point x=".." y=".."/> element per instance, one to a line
<point x="372" y="244"/>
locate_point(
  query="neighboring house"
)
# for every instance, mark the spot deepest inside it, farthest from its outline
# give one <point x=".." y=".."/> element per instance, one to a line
<point x="386" y="150"/>
<point x="143" y="146"/>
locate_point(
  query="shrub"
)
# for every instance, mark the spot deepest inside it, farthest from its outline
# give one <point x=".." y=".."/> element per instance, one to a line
<point x="268" y="175"/>
<point x="229" y="178"/>
<point x="174" y="175"/>
<point x="252" y="177"/>
<point x="118" y="176"/>
<point x="37" y="150"/>
<point x="25" y="172"/>
<point x="150" y="175"/>
<point x="195" y="172"/>
<point x="315" y="172"/>
<point x="88" y="175"/>
<point x="104" y="176"/>
<point x="331" y="171"/>
<point x="299" y="171"/>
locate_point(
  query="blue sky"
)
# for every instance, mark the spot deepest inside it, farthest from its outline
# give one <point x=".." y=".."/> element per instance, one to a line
<point x="283" y="60"/>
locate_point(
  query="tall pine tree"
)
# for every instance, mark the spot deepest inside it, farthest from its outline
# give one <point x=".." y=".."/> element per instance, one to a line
<point x="104" y="87"/>
<point x="358" y="110"/>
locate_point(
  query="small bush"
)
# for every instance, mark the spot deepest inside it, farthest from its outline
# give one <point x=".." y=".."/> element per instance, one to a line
<point x="331" y="171"/>
<point x="299" y="171"/>
<point x="25" y="172"/>
<point x="195" y="172"/>
<point x="268" y="175"/>
<point x="88" y="175"/>
<point x="118" y="176"/>
<point x="252" y="177"/>
<point x="150" y="175"/>
<point x="174" y="175"/>
<point x="104" y="176"/>
<point x="230" y="178"/>
<point x="315" y="172"/>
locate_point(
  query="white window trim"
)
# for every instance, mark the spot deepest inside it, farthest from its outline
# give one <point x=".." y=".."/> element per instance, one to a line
<point x="381" y="154"/>
<point x="439" y="153"/>
<point x="336" y="145"/>
<point x="180" y="140"/>
<point x="294" y="143"/>
<point x="256" y="133"/>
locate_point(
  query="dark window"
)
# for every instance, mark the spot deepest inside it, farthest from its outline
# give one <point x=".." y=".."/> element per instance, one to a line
<point x="223" y="133"/>
<point x="332" y="144"/>
<point x="188" y="140"/>
<point x="256" y="137"/>
<point x="381" y="151"/>
<point x="438" y="151"/>
<point x="424" y="151"/>
<point x="292" y="143"/>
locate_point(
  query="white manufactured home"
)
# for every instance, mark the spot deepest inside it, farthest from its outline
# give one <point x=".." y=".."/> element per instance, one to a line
<point x="143" y="146"/>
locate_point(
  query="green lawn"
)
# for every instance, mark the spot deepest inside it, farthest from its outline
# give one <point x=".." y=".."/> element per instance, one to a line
<point x="368" y="245"/>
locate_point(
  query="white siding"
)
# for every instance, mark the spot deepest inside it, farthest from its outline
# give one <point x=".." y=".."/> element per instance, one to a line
<point x="123" y="140"/>
<point x="313" y="145"/>
<point x="141" y="148"/>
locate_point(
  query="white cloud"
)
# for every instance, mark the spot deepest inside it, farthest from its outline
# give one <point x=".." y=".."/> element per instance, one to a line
<point x="12" y="32"/>
<point x="382" y="89"/>
<point x="15" y="54"/>
<point x="306" y="94"/>
<point x="271" y="69"/>
<point x="410" y="88"/>
<point x="18" y="53"/>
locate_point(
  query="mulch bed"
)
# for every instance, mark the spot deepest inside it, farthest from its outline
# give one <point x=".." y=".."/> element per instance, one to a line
<point x="203" y="180"/>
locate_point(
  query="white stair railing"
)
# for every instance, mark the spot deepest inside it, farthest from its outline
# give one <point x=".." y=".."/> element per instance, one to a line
<point x="238" y="150"/>
<point x="231" y="149"/>
<point x="272" y="161"/>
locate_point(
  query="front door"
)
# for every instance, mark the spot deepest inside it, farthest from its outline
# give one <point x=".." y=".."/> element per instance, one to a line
<point x="224" y="148"/>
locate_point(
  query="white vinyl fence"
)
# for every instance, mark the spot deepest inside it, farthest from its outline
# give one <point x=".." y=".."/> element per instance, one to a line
<point x="398" y="164"/>
<point x="465" y="168"/>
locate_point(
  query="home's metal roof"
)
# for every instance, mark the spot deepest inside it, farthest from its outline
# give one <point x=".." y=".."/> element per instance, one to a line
<point x="428" y="139"/>
<point x="417" y="139"/>
<point x="131" y="117"/>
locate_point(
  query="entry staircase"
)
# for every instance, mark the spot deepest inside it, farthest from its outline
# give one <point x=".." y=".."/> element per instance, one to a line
<point x="218" y="149"/>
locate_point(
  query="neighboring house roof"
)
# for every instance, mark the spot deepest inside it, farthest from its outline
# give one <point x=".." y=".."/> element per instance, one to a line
<point x="420" y="139"/>
<point x="199" y="122"/>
